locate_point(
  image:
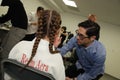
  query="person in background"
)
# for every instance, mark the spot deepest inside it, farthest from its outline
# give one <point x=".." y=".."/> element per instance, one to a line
<point x="92" y="17"/>
<point x="63" y="36"/>
<point x="18" y="17"/>
<point x="90" y="52"/>
<point x="41" y="50"/>
<point x="33" y="24"/>
<point x="17" y="14"/>
<point x="70" y="35"/>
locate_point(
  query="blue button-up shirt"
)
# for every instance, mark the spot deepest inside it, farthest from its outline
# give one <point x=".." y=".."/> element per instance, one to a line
<point x="91" y="58"/>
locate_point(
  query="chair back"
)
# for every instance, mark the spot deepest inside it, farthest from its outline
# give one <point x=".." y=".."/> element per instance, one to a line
<point x="15" y="70"/>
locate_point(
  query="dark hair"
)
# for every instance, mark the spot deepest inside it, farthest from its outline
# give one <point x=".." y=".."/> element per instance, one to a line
<point x="48" y="25"/>
<point x="93" y="29"/>
<point x="40" y="8"/>
<point x="64" y="27"/>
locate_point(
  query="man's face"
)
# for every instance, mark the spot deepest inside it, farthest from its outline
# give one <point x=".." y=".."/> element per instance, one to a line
<point x="82" y="38"/>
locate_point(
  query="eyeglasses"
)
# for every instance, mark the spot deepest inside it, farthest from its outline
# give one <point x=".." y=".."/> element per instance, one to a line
<point x="81" y="36"/>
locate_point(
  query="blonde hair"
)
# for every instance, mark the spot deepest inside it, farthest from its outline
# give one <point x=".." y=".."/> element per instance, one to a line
<point x="92" y="17"/>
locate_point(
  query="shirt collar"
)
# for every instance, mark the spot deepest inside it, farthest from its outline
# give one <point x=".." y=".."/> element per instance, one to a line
<point x="41" y="41"/>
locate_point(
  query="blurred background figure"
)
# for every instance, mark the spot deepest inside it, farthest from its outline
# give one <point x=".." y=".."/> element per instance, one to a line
<point x="63" y="35"/>
<point x="18" y="17"/>
<point x="33" y="23"/>
<point x="17" y="14"/>
<point x="92" y="17"/>
<point x="70" y="35"/>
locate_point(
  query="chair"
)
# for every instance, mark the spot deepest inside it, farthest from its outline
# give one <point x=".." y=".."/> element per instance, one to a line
<point x="13" y="69"/>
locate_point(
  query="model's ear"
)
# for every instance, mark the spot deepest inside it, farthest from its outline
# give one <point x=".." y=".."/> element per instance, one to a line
<point x="93" y="38"/>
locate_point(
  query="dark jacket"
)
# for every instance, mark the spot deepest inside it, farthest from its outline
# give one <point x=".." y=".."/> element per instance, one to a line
<point x="16" y="13"/>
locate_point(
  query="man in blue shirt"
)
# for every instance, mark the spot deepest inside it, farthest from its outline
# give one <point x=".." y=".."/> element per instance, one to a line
<point x="91" y="53"/>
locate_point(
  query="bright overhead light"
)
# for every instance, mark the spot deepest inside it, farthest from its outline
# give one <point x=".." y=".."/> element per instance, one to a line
<point x="70" y="3"/>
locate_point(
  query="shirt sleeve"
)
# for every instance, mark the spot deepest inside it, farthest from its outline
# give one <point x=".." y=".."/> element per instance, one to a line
<point x="67" y="47"/>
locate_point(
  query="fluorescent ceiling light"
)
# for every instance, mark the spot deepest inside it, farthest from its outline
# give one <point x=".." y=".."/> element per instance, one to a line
<point x="70" y="3"/>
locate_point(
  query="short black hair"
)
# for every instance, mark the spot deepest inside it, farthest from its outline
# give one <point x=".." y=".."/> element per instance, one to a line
<point x="40" y="8"/>
<point x="93" y="29"/>
<point x="64" y="27"/>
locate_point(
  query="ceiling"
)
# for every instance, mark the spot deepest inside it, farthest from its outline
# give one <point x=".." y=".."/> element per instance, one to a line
<point x="107" y="11"/>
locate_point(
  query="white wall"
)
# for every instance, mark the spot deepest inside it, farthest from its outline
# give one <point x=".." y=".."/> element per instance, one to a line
<point x="71" y="21"/>
<point x="110" y="35"/>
